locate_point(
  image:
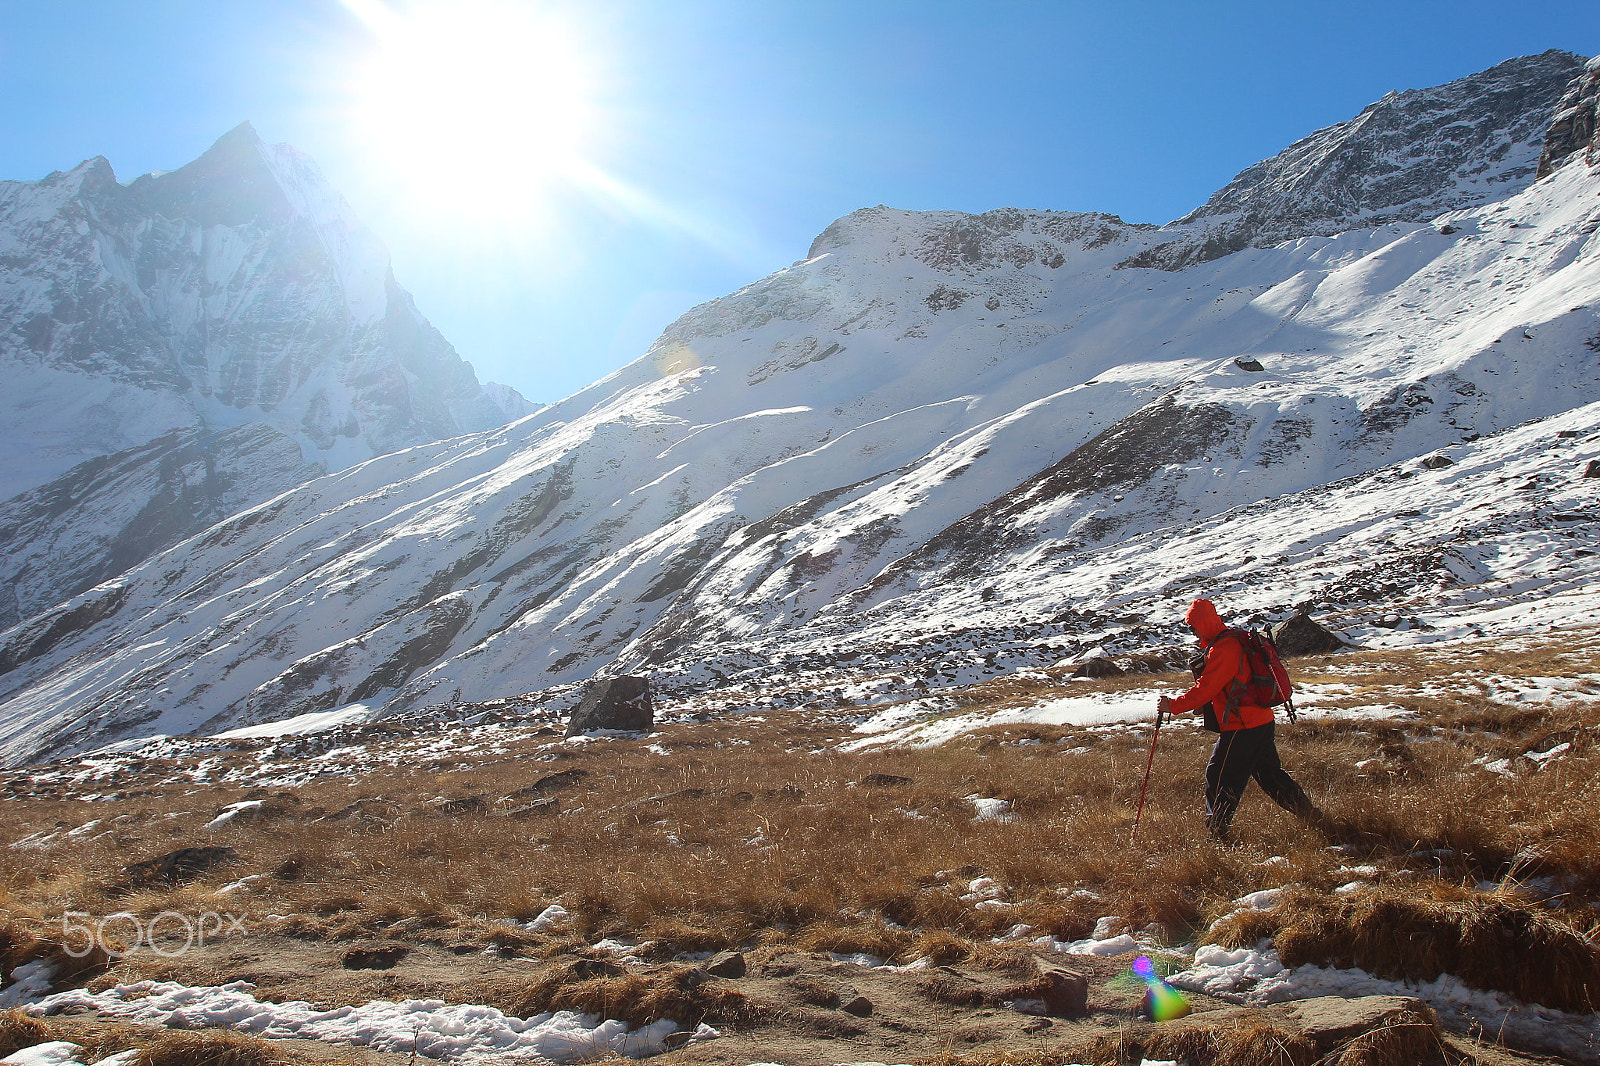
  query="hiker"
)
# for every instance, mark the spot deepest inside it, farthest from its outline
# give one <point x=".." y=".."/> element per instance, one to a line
<point x="1245" y="745"/>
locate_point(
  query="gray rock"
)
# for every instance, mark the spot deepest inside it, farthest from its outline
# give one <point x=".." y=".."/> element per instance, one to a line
<point x="540" y="808"/>
<point x="1300" y="635"/>
<point x="1388" y="1028"/>
<point x="1437" y="462"/>
<point x="614" y="703"/>
<point x="1098" y="667"/>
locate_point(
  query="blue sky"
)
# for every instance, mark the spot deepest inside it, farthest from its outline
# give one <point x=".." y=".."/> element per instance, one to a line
<point x="719" y="137"/>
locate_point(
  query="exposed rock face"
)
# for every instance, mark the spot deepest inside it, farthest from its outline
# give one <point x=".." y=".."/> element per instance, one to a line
<point x="1411" y="156"/>
<point x="614" y="703"/>
<point x="1575" y="122"/>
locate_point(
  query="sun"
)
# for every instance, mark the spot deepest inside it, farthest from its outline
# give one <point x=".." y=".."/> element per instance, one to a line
<point x="487" y="102"/>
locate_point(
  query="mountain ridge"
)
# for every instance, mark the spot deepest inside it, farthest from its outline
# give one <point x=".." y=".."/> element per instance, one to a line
<point x="236" y="291"/>
<point x="987" y="427"/>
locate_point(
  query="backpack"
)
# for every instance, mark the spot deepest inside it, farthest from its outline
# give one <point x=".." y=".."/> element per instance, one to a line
<point x="1269" y="682"/>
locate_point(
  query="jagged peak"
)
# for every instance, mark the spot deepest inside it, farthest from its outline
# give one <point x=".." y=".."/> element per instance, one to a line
<point x="1408" y="157"/>
<point x="231" y="183"/>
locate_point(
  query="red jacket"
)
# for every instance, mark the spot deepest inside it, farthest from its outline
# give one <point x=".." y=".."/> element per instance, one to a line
<point x="1225" y="663"/>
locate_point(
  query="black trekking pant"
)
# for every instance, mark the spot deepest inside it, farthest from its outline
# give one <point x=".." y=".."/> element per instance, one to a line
<point x="1239" y="755"/>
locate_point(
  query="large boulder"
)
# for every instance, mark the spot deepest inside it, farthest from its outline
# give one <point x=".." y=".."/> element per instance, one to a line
<point x="1300" y="635"/>
<point x="614" y="703"/>
<point x="1098" y="667"/>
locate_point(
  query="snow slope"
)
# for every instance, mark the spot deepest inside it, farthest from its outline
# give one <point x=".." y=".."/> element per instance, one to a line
<point x="942" y="446"/>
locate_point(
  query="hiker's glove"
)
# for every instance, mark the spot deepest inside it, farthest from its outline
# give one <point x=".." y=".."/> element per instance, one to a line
<point x="1163" y="709"/>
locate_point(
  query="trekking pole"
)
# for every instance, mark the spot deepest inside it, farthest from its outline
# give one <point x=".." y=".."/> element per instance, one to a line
<point x="1134" y="835"/>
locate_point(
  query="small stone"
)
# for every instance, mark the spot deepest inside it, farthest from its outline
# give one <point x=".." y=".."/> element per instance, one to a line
<point x="1065" y="992"/>
<point x="543" y="808"/>
<point x="729" y="964"/>
<point x="860" y="1006"/>
<point x="374" y="955"/>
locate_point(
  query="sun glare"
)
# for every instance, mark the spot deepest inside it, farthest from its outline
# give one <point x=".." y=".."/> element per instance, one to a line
<point x="482" y="102"/>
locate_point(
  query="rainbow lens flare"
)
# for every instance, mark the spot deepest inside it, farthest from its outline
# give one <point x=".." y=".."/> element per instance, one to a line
<point x="1161" y="1001"/>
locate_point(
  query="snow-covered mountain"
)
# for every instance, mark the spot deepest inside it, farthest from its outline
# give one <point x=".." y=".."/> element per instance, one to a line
<point x="941" y="446"/>
<point x="230" y="313"/>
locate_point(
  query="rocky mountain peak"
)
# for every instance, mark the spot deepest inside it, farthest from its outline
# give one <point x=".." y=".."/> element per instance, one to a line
<point x="144" y="327"/>
<point x="230" y="184"/>
<point x="1408" y="157"/>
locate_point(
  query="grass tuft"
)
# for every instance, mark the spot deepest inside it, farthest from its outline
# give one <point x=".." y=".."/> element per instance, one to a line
<point x="1486" y="940"/>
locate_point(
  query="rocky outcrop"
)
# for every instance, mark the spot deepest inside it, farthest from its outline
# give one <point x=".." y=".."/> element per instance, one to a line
<point x="1575" y="122"/>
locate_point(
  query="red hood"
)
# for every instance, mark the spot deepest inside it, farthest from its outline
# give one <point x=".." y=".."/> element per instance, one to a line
<point x="1204" y="620"/>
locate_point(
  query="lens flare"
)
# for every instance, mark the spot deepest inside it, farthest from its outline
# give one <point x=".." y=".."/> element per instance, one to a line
<point x="1162" y="1002"/>
<point x="676" y="359"/>
<point x="486" y="106"/>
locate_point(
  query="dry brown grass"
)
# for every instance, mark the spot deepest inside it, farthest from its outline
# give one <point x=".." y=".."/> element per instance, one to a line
<point x="1243" y="1042"/>
<point x="748" y="831"/>
<point x="1234" y="1040"/>
<point x="27" y="938"/>
<point x="17" y="1031"/>
<point x="681" y="993"/>
<point x="157" y="1047"/>
<point x="1488" y="941"/>
<point x="213" y="1047"/>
